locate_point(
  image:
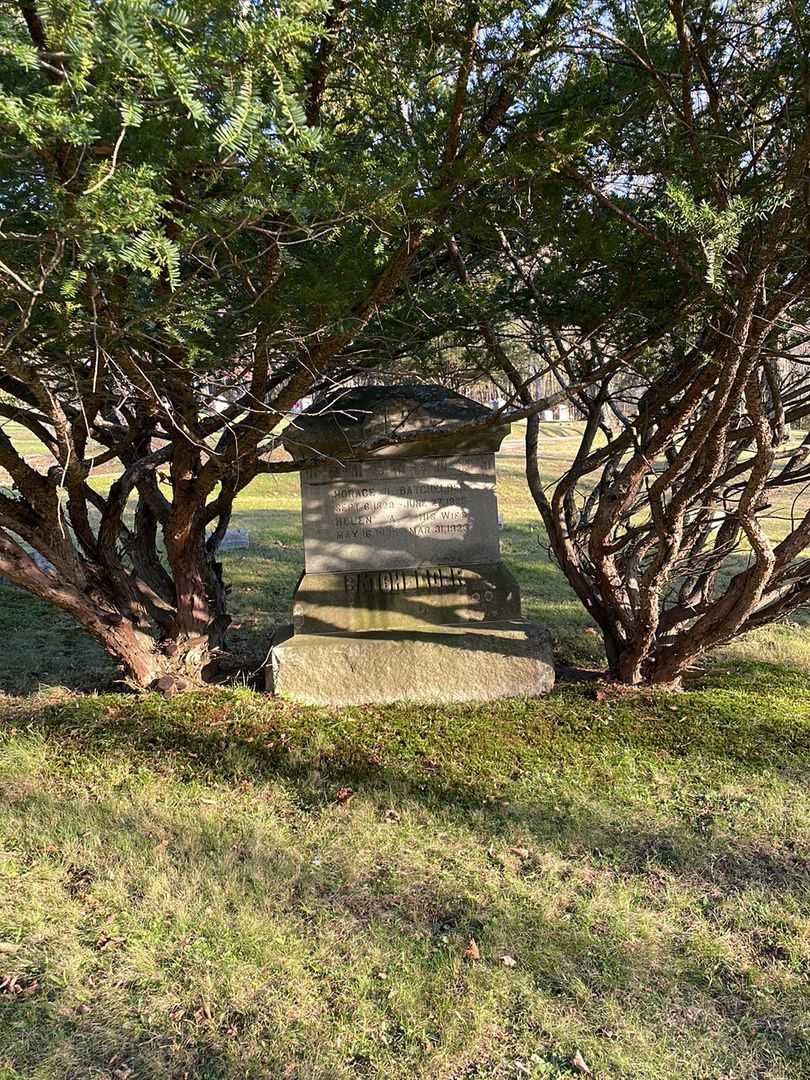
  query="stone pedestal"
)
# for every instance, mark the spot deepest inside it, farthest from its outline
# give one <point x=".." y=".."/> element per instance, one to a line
<point x="434" y="664"/>
<point x="404" y="595"/>
<point x="407" y="599"/>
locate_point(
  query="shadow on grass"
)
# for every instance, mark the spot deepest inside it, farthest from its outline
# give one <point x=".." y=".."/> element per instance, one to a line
<point x="44" y="647"/>
<point x="566" y="960"/>
<point x="433" y="768"/>
<point x="114" y="1048"/>
<point x="752" y="723"/>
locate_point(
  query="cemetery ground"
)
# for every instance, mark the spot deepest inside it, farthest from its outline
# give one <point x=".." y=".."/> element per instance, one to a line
<point x="224" y="885"/>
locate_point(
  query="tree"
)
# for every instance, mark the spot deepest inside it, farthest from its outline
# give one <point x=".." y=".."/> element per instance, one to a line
<point x="669" y="291"/>
<point x="203" y="210"/>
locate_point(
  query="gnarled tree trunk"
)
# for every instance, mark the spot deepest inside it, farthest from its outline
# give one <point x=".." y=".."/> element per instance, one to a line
<point x="169" y="656"/>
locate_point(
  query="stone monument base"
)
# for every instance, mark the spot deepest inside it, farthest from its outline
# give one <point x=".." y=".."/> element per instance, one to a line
<point x="437" y="664"/>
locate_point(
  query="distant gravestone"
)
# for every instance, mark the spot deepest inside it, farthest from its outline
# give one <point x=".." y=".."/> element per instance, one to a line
<point x="404" y="594"/>
<point x="235" y="540"/>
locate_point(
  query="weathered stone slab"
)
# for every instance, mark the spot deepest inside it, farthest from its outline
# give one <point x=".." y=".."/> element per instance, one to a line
<point x="404" y="595"/>
<point x="403" y="599"/>
<point x="365" y="414"/>
<point x="491" y="661"/>
<point x="400" y="513"/>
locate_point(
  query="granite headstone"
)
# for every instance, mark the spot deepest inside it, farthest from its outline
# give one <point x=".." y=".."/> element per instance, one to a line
<point x="404" y="595"/>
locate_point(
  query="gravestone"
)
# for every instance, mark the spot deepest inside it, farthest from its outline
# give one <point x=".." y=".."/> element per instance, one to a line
<point x="404" y="595"/>
<point x="235" y="540"/>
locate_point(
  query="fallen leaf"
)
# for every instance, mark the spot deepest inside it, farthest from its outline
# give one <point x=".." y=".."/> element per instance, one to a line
<point x="203" y="1014"/>
<point x="391" y="815"/>
<point x="521" y="852"/>
<point x="580" y="1064"/>
<point x="472" y="952"/>
<point x="600" y="695"/>
<point x="508" y="961"/>
<point x="83" y="1010"/>
<point x="344" y="796"/>
<point x="592" y="630"/>
<point x="10" y="984"/>
<point x="104" y="941"/>
<point x="8" y="948"/>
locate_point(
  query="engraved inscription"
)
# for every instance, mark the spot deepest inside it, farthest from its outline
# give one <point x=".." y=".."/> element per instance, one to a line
<point x="428" y="509"/>
<point x="399" y="514"/>
<point x="431" y="577"/>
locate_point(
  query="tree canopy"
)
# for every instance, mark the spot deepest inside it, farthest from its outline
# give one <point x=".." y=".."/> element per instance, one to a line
<point x="652" y="252"/>
<point x="200" y="207"/>
<point x="207" y="213"/>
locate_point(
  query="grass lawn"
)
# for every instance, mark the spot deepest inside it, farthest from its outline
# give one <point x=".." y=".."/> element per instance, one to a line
<point x="223" y="885"/>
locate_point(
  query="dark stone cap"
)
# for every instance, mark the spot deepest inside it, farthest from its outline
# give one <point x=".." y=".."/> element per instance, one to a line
<point x="334" y="426"/>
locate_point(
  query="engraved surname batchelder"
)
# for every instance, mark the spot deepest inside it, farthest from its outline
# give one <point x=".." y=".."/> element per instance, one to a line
<point x="391" y="469"/>
<point x="434" y="577"/>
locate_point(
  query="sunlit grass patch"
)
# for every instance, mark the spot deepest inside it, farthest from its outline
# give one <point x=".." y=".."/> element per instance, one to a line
<point x="188" y="888"/>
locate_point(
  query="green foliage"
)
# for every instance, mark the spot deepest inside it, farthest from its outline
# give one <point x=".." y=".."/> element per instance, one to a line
<point x="237" y="131"/>
<point x="164" y="144"/>
<point x="23" y="52"/>
<point x="147" y="136"/>
<point x="717" y="232"/>
<point x="154" y="253"/>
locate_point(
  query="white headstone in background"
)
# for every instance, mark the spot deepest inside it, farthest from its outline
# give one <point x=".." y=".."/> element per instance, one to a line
<point x="42" y="563"/>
